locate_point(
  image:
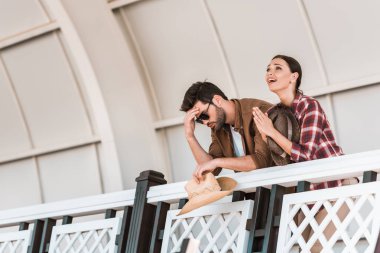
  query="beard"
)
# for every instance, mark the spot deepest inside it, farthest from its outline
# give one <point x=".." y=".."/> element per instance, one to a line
<point x="220" y="118"/>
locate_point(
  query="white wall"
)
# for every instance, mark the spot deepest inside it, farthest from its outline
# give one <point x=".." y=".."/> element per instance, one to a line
<point x="56" y="141"/>
<point x="230" y="43"/>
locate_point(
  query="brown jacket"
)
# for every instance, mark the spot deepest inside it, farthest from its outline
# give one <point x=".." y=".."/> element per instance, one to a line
<point x="253" y="144"/>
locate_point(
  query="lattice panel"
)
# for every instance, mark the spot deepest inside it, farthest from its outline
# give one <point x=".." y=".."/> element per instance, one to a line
<point x="95" y="237"/>
<point x="15" y="242"/>
<point x="351" y="213"/>
<point x="218" y="227"/>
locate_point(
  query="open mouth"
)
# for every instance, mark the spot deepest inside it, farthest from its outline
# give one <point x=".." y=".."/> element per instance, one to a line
<point x="271" y="80"/>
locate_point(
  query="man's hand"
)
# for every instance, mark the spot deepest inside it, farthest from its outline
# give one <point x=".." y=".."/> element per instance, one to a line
<point x="204" y="168"/>
<point x="189" y="123"/>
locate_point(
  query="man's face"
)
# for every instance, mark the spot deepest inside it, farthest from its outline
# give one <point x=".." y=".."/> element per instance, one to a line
<point x="210" y="115"/>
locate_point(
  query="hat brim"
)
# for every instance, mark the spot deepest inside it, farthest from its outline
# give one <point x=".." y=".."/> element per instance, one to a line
<point x="226" y="184"/>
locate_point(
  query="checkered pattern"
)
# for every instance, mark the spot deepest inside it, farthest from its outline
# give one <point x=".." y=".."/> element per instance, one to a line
<point x="317" y="140"/>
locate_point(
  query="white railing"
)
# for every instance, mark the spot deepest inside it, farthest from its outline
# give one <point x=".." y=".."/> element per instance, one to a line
<point x="322" y="170"/>
<point x="13" y="242"/>
<point x="73" y="207"/>
<point x="342" y="167"/>
<point x="352" y="212"/>
<point x="205" y="220"/>
<point x="93" y="236"/>
<point x="98" y="235"/>
<point x="218" y="228"/>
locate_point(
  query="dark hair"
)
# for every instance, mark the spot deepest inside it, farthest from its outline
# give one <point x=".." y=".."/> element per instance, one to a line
<point x="294" y="67"/>
<point x="200" y="91"/>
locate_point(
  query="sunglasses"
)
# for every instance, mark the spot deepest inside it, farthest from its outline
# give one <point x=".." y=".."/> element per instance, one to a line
<point x="203" y="116"/>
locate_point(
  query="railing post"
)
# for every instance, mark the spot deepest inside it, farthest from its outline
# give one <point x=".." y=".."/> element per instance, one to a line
<point x="256" y="225"/>
<point x="140" y="230"/>
<point x="369" y="176"/>
<point x="122" y="239"/>
<point x="238" y="196"/>
<point x="23" y="226"/>
<point x="303" y="186"/>
<point x="110" y="213"/>
<point x="158" y="226"/>
<point x="36" y="236"/>
<point x="271" y="228"/>
<point x="46" y="234"/>
<point x="67" y="220"/>
<point x="182" y="202"/>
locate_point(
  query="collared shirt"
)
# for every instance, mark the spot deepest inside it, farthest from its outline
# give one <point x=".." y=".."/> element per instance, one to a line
<point x="238" y="142"/>
<point x="253" y="145"/>
<point x="316" y="140"/>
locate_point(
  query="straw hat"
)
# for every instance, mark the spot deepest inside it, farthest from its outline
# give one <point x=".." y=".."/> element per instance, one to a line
<point x="207" y="191"/>
<point x="286" y="123"/>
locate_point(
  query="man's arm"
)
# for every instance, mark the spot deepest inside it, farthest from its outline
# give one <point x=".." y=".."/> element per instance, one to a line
<point x="243" y="163"/>
<point x="200" y="155"/>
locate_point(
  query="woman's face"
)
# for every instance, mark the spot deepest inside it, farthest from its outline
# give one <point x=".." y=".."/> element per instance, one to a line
<point x="279" y="76"/>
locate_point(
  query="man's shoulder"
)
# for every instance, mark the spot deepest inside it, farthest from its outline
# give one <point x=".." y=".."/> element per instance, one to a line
<point x="248" y="103"/>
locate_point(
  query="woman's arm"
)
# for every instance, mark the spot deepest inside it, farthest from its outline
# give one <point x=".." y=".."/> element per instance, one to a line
<point x="265" y="126"/>
<point x="311" y="124"/>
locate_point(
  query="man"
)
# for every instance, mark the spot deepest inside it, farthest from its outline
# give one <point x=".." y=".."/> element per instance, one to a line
<point x="236" y="142"/>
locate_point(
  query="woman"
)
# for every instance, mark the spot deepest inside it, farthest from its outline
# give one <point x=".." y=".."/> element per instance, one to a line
<point x="316" y="137"/>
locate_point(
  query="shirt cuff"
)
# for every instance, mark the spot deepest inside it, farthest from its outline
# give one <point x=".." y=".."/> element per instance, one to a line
<point x="295" y="152"/>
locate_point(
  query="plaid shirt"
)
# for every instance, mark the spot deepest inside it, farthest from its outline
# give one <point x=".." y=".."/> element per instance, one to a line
<point x="316" y="140"/>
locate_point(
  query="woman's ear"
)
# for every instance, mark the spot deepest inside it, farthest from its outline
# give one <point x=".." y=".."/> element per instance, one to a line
<point x="295" y="75"/>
